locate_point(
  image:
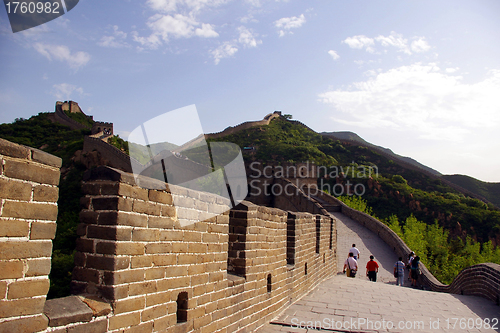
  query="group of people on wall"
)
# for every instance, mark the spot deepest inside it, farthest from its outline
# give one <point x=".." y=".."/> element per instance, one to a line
<point x="351" y="267"/>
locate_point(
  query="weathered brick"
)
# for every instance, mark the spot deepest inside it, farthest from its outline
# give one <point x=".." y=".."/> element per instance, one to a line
<point x="179" y="282"/>
<point x="175" y="271"/>
<point x="156" y="248"/>
<point x="28" y="210"/>
<point x="112" y="203"/>
<point x="25" y="249"/>
<point x="154" y="312"/>
<point x="160" y="197"/>
<point x="85" y="245"/>
<point x="123" y="218"/>
<point x="160" y="222"/>
<point x="169" y="211"/>
<point x="142" y="288"/>
<point x="146" y="207"/>
<point x="120" y="248"/>
<point x="161" y="324"/>
<point x="15" y="190"/>
<point x="171" y="235"/>
<point x="30" y="324"/>
<point x="45" y="193"/>
<point x="11" y="149"/>
<point x="113" y="292"/>
<point x="141" y="261"/>
<point x="135" y="192"/>
<point x="40" y="230"/>
<point x="38" y="267"/>
<point x="109" y="232"/>
<point x="14" y="228"/>
<point x="146" y="235"/>
<point x="88" y="216"/>
<point x="124" y="320"/>
<point x="31" y="171"/>
<point x="85" y="275"/>
<point x="155" y="273"/>
<point x="28" y="288"/>
<point x="120" y="277"/>
<point x="95" y="326"/>
<point x="107" y="263"/>
<point x="157" y="298"/>
<point x="21" y="307"/>
<point x="128" y="305"/>
<point x="45" y="158"/>
<point x="164" y="259"/>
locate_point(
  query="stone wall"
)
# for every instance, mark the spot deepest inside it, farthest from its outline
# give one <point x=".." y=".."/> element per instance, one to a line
<point x="248" y="124"/>
<point x="479" y="280"/>
<point x="60" y="117"/>
<point x="28" y="213"/>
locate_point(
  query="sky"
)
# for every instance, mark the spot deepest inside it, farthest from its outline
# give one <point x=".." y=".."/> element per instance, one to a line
<point x="419" y="77"/>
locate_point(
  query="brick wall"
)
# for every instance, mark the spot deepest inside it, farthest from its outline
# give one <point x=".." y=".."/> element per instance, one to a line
<point x="226" y="273"/>
<point x="28" y="213"/>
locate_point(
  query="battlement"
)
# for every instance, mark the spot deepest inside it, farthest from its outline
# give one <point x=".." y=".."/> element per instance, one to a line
<point x="70" y="106"/>
<point x="104" y="127"/>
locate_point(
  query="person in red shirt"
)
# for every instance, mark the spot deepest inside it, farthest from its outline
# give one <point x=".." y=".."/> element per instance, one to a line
<point x="372" y="269"/>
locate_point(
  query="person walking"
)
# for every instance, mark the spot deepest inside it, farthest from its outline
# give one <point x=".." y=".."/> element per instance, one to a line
<point x="399" y="271"/>
<point x="411" y="256"/>
<point x="415" y="271"/>
<point x="354" y="251"/>
<point x="372" y="269"/>
<point x="351" y="266"/>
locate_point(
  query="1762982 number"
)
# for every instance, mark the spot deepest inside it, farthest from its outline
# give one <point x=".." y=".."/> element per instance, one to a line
<point x="32" y="7"/>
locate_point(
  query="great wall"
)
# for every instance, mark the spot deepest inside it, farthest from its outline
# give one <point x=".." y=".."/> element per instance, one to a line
<point x="138" y="270"/>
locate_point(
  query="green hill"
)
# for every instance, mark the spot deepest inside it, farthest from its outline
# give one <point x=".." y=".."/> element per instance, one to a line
<point x="491" y="191"/>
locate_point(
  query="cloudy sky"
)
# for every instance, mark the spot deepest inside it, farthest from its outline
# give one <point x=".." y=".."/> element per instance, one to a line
<point x="419" y="77"/>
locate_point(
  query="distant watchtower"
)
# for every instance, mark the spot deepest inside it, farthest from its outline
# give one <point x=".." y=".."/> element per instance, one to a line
<point x="70" y="106"/>
<point x="105" y="128"/>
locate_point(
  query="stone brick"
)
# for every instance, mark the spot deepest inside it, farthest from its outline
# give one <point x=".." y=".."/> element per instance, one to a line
<point x="135" y="192"/>
<point x="142" y="288"/>
<point x="155" y="273"/>
<point x="29" y="324"/>
<point x="88" y="216"/>
<point x="31" y="171"/>
<point x="95" y="326"/>
<point x="109" y="232"/>
<point x="21" y="307"/>
<point x="129" y="305"/>
<point x="121" y="277"/>
<point x="179" y="282"/>
<point x="158" y="298"/>
<point x="25" y="249"/>
<point x="169" y="211"/>
<point x="45" y="193"/>
<point x="124" y="320"/>
<point x="160" y="222"/>
<point x="107" y="263"/>
<point x="11" y="149"/>
<point x="161" y="324"/>
<point x="147" y="235"/>
<point x="146" y="207"/>
<point x="154" y="312"/>
<point x="141" y="261"/>
<point x="164" y="259"/>
<point x="129" y="219"/>
<point x="14" y="228"/>
<point x="156" y="248"/>
<point x="40" y="230"/>
<point x="28" y="288"/>
<point x="160" y="197"/>
<point x="120" y="248"/>
<point x="28" y="210"/>
<point x="15" y="190"/>
<point x="112" y="203"/>
<point x="175" y="271"/>
<point x="45" y="158"/>
<point x="85" y="275"/>
<point x="98" y="306"/>
<point x="38" y="267"/>
<point x="85" y="245"/>
<point x="113" y="292"/>
<point x="171" y="235"/>
<point x="66" y="310"/>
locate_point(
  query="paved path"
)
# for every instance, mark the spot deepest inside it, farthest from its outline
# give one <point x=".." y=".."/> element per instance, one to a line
<point x="342" y="304"/>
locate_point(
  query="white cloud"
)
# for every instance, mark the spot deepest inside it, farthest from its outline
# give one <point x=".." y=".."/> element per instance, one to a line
<point x="62" y="53"/>
<point x="452" y="70"/>
<point x="206" y="31"/>
<point x="64" y="91"/>
<point x="169" y="6"/>
<point x="116" y="40"/>
<point x="225" y="50"/>
<point x="359" y="42"/>
<point x="420" y="45"/>
<point x="285" y="24"/>
<point x="395" y="40"/>
<point x="421" y="98"/>
<point x="247" y="37"/>
<point x="334" y="54"/>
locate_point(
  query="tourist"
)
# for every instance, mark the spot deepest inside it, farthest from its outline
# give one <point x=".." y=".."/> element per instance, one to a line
<point x="351" y="266"/>
<point x="415" y="271"/>
<point x="411" y="256"/>
<point x="372" y="269"/>
<point x="354" y="251"/>
<point x="399" y="271"/>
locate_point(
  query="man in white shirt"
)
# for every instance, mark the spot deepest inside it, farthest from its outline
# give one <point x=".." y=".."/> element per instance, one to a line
<point x="351" y="265"/>
<point x="354" y="251"/>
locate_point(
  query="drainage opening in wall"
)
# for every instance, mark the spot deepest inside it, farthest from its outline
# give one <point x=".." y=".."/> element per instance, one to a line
<point x="305" y="269"/>
<point x="324" y="258"/>
<point x="182" y="307"/>
<point x="269" y="283"/>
